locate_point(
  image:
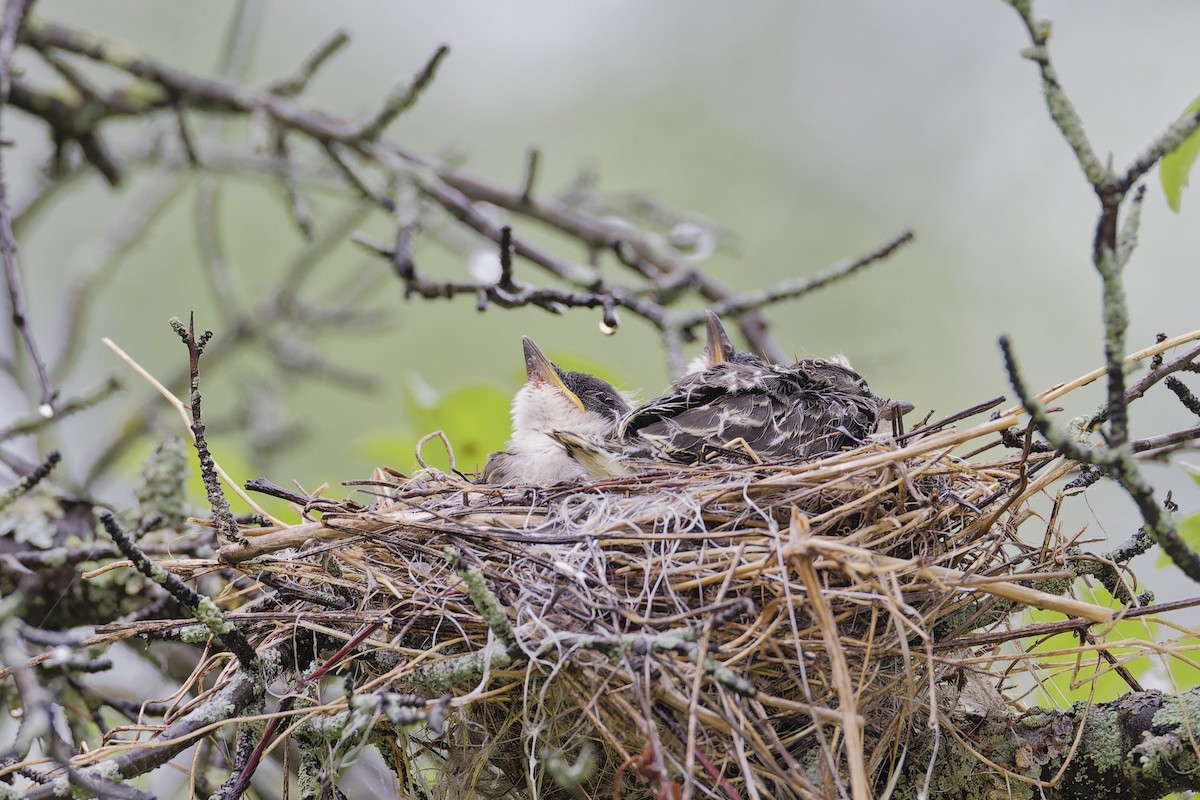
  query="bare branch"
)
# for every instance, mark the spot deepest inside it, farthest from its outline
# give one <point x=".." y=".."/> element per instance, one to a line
<point x="14" y="19"/>
<point x="1189" y="400"/>
<point x="297" y="82"/>
<point x="400" y="99"/>
<point x="222" y="516"/>
<point x="1118" y="461"/>
<point x="798" y="287"/>
<point x="26" y="484"/>
<point x="1061" y="109"/>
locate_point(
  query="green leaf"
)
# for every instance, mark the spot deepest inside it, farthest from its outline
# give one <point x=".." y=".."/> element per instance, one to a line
<point x="229" y="456"/>
<point x="1178" y="163"/>
<point x="1194" y="471"/>
<point x="1183" y="673"/>
<point x="1189" y="531"/>
<point x="475" y="420"/>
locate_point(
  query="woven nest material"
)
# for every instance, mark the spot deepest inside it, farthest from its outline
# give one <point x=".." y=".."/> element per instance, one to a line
<point x="794" y="626"/>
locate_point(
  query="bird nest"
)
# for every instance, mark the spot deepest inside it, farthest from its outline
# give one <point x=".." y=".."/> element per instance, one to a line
<point x="796" y="626"/>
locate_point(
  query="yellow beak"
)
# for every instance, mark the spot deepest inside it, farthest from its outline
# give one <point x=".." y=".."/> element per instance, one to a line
<point x="540" y="369"/>
<point x="718" y="348"/>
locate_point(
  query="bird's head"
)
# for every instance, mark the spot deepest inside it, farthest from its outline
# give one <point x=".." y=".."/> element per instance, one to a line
<point x="718" y="348"/>
<point x="554" y="399"/>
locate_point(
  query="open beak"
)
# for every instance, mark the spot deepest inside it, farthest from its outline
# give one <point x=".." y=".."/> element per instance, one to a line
<point x="718" y="349"/>
<point x="539" y="369"/>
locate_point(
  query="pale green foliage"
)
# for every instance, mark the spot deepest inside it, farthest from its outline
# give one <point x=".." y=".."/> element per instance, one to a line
<point x="163" y="487"/>
<point x="1188" y="527"/>
<point x="474" y="418"/>
<point x="31" y="520"/>
<point x="1178" y="163"/>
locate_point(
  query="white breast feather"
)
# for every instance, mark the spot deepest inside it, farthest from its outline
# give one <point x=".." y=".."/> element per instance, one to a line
<point x="539" y="411"/>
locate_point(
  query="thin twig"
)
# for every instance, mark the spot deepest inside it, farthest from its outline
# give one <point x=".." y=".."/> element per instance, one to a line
<point x="222" y="515"/>
<point x="183" y="412"/>
<point x="533" y="160"/>
<point x="298" y="81"/>
<point x="401" y="98"/>
<point x="70" y="406"/>
<point x="792" y="289"/>
<point x="14" y="17"/>
<point x="27" y="482"/>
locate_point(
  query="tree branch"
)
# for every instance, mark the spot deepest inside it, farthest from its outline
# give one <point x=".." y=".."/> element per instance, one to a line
<point x="14" y="19"/>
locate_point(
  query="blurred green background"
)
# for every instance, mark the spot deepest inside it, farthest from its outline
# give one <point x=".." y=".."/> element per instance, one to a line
<point x="814" y="131"/>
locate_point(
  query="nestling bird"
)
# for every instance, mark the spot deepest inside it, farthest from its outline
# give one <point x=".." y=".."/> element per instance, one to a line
<point x="554" y="402"/>
<point x="731" y="400"/>
<point x="719" y="349"/>
<point x="809" y="408"/>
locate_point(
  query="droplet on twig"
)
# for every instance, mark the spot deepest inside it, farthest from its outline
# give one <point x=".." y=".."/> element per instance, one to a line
<point x="610" y="321"/>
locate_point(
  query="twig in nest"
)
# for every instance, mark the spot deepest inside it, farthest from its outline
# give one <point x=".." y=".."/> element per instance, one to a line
<point x="202" y="608"/>
<point x="933" y="427"/>
<point x="264" y="486"/>
<point x="490" y="609"/>
<point x="438" y="434"/>
<point x="238" y="786"/>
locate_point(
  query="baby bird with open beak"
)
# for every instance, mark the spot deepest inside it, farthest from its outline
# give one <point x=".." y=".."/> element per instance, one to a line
<point x="553" y="405"/>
